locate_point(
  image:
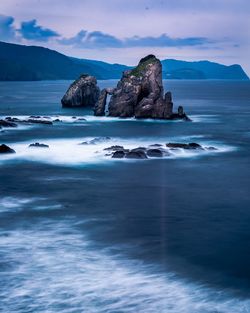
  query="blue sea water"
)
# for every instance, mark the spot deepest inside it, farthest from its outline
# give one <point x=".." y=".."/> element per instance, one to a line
<point x="80" y="232"/>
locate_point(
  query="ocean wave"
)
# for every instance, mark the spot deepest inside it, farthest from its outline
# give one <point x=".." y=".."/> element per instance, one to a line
<point x="58" y="269"/>
<point x="11" y="204"/>
<point x="205" y="118"/>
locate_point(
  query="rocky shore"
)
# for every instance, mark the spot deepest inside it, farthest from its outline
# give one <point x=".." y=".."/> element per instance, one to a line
<point x="153" y="151"/>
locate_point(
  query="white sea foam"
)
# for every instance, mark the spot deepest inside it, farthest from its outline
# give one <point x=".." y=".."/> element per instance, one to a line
<point x="15" y="204"/>
<point x="71" y="152"/>
<point x="58" y="269"/>
<point x="204" y="118"/>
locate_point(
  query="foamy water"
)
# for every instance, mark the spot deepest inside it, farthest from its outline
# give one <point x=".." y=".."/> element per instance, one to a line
<point x="72" y="152"/>
<point x="210" y="118"/>
<point x="54" y="268"/>
<point x="167" y="235"/>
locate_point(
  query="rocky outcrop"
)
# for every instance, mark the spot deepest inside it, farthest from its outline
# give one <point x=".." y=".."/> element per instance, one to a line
<point x="189" y="146"/>
<point x="99" y="109"/>
<point x="38" y="145"/>
<point x="154" y="150"/>
<point x="30" y="120"/>
<point x="140" y="94"/>
<point x="84" y="92"/>
<point x="6" y="149"/>
<point x="6" y="123"/>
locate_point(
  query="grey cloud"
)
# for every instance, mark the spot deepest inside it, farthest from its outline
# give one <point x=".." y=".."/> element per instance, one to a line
<point x="7" y="29"/>
<point x="97" y="39"/>
<point x="31" y="31"/>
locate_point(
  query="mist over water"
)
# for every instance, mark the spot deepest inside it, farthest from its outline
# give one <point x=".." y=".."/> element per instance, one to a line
<point x="80" y="232"/>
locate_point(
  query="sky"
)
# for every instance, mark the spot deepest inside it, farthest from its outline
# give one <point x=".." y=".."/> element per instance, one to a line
<point x="123" y="31"/>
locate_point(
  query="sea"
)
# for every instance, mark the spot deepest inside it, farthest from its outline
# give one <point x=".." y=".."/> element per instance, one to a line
<point x="82" y="232"/>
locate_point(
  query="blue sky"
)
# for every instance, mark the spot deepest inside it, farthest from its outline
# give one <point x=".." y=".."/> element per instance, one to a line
<point x="124" y="31"/>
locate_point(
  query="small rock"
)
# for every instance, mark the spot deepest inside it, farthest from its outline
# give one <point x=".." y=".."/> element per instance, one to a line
<point x="81" y="119"/>
<point x="194" y="145"/>
<point x="95" y="141"/>
<point x="6" y="149"/>
<point x="136" y="155"/>
<point x="139" y="149"/>
<point x="38" y="145"/>
<point x="211" y="148"/>
<point x="190" y="146"/>
<point x="6" y="123"/>
<point x="156" y="153"/>
<point x="38" y="121"/>
<point x="156" y="145"/>
<point x="118" y="154"/>
<point x="114" y="148"/>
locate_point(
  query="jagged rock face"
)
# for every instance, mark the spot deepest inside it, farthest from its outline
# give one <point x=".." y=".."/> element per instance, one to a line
<point x="84" y="92"/>
<point x="140" y="92"/>
<point x="99" y="109"/>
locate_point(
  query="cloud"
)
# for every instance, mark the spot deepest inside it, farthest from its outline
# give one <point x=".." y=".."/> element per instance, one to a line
<point x="165" y="41"/>
<point x="92" y="40"/>
<point x="7" y="29"/>
<point x="31" y="31"/>
<point x="97" y="39"/>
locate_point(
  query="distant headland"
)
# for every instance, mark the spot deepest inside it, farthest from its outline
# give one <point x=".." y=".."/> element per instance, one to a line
<point x="31" y="63"/>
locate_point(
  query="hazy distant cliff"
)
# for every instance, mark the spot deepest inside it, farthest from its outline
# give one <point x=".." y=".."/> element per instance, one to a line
<point x="18" y="62"/>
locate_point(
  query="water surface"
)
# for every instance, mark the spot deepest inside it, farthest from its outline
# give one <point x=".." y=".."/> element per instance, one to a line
<point x="80" y="232"/>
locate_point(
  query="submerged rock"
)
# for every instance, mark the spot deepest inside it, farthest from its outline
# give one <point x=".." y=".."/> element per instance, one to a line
<point x="6" y="149"/>
<point x="139" y="149"/>
<point x="38" y="121"/>
<point x="156" y="153"/>
<point x="119" y="154"/>
<point x="7" y="123"/>
<point x="114" y="148"/>
<point x="95" y="141"/>
<point x="136" y="154"/>
<point x="211" y="148"/>
<point x="38" y="145"/>
<point x="191" y="145"/>
<point x="84" y="92"/>
<point x="156" y="145"/>
<point x="29" y="120"/>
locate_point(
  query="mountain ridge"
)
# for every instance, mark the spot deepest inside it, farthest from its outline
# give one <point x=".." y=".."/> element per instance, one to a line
<point x="21" y="62"/>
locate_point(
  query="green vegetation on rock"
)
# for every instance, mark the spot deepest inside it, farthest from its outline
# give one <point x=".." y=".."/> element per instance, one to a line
<point x="141" y="67"/>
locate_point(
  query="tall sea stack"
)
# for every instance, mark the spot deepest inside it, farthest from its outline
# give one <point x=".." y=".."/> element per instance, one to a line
<point x="140" y="94"/>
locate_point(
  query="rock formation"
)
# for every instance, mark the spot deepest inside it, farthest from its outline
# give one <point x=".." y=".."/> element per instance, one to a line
<point x="140" y="94"/>
<point x="154" y="151"/>
<point x="84" y="92"/>
<point x="38" y="145"/>
<point x="30" y="120"/>
<point x="6" y="149"/>
<point x="99" y="109"/>
<point x="6" y="123"/>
